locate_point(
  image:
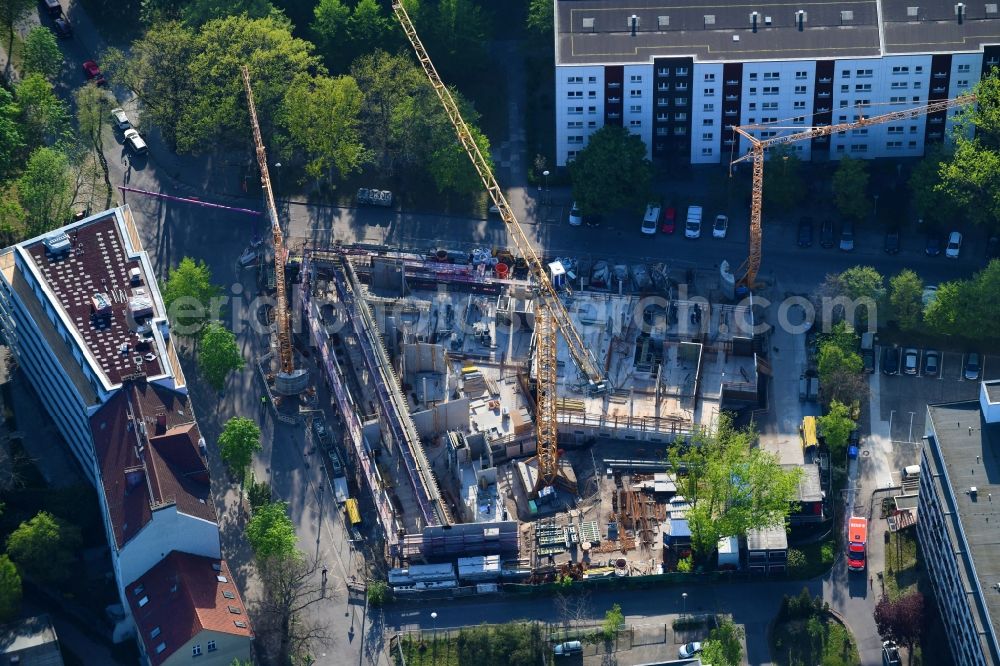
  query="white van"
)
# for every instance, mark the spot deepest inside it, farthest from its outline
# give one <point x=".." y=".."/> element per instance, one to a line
<point x="911" y="472"/>
<point x="651" y="219"/>
<point x="692" y="228"/>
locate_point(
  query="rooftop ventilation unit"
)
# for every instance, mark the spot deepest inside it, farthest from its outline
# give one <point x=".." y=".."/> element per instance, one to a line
<point x="800" y="19"/>
<point x="846" y="16"/>
<point x="767" y="20"/>
<point x="913" y="11"/>
<point x="663" y="22"/>
<point x="709" y="19"/>
<point x="991" y="8"/>
<point x="57" y="243"/>
<point x="754" y="17"/>
<point x="588" y="24"/>
<point x="634" y="23"/>
<point x="960" y="12"/>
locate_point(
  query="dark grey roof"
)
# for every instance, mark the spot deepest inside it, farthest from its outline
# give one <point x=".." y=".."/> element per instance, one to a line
<point x="968" y="448"/>
<point x="992" y="390"/>
<point x="599" y="31"/>
<point x="810" y="486"/>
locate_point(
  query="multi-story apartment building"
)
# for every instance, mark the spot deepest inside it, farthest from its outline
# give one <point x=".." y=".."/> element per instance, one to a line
<point x="958" y="518"/>
<point x="681" y="75"/>
<point x="82" y="313"/>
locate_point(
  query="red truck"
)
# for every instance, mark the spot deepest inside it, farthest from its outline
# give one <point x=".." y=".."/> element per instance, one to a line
<point x="857" y="543"/>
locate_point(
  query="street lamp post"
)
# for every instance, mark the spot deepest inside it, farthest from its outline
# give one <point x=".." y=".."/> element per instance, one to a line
<point x="684" y="600"/>
<point x="434" y="617"/>
<point x="277" y="166"/>
<point x="875" y="212"/>
<point x="546" y="174"/>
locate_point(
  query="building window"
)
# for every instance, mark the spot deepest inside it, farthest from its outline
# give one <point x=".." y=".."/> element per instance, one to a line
<point x="900" y="70"/>
<point x="155" y="632"/>
<point x="863" y="87"/>
<point x="799" y="120"/>
<point x="897" y="100"/>
<point x="574" y="138"/>
<point x="843" y="103"/>
<point x="574" y="93"/>
<point x="680" y="131"/>
<point x="769" y="119"/>
<point x="963" y="83"/>
<point x="708" y="122"/>
<point x="893" y="145"/>
<point x="570" y="154"/>
<point x="635" y="78"/>
<point x="912" y="144"/>
<point x="574" y="110"/>
<point x="799" y="104"/>
<point x="635" y="93"/>
<point x="860" y="132"/>
<point x="771" y="90"/>
<point x="753" y="76"/>
<point x="592" y="94"/>
<point x="846" y="73"/>
<point x="800" y="90"/>
<point x="919" y="69"/>
<point x="196" y="651"/>
<point x="211" y="646"/>
<point x="710" y="77"/>
<point x="681" y="71"/>
<point x="663" y="71"/>
<point x="768" y="134"/>
<point x="753" y="106"/>
<point x="574" y="79"/>
<point x="916" y="99"/>
<point x="963" y="69"/>
<point x="772" y="76"/>
<point x="862" y="102"/>
<point x="591" y="79"/>
<point x="706" y="136"/>
<point x="845" y="88"/>
<point x="801" y="75"/>
<point x="840" y="148"/>
<point x="681" y="87"/>
<point x="709" y="92"/>
<point x="897" y="85"/>
<point x="895" y="129"/>
<point x="859" y="147"/>
<point x="706" y="152"/>
<point x="681" y="101"/>
<point x="864" y="73"/>
<point x="591" y="124"/>
<point x="913" y="129"/>
<point x="752" y="91"/>
<point x="680" y="116"/>
<point x="573" y="124"/>
<point x="769" y="106"/>
<point x="591" y="110"/>
<point x="708" y="108"/>
<point x="635" y="108"/>
<point x="917" y="85"/>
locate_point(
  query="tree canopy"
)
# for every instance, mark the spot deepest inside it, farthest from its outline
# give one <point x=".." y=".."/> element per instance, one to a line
<point x="835" y="427"/>
<point x="218" y="355"/>
<point x="239" y="441"/>
<point x="724" y="646"/>
<point x="45" y="190"/>
<point x="783" y="187"/>
<point x="968" y="308"/>
<point x="611" y="172"/>
<point x="850" y="189"/>
<point x="41" y="53"/>
<point x="906" y="291"/>
<point x="44" y="117"/>
<point x="10" y="590"/>
<point x="271" y="533"/>
<point x="187" y="295"/>
<point x="902" y="620"/>
<point x="44" y="547"/>
<point x="732" y="485"/>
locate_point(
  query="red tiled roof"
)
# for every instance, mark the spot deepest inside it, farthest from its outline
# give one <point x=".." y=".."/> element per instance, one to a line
<point x="97" y="264"/>
<point x="147" y="446"/>
<point x="183" y="597"/>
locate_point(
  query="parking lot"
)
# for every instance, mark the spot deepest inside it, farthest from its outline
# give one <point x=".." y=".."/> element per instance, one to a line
<point x="904" y="398"/>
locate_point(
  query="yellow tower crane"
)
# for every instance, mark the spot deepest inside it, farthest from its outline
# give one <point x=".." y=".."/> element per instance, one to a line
<point x="758" y="146"/>
<point x="288" y="381"/>
<point x="551" y="317"/>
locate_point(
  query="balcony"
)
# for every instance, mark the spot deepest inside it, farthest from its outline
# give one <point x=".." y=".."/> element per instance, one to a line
<point x="663" y="102"/>
<point x="733" y="82"/>
<point x="822" y="109"/>
<point x="614" y="100"/>
<point x="934" y="135"/>
<point x="662" y="131"/>
<point x="732" y="98"/>
<point x="822" y="139"/>
<point x="825" y="79"/>
<point x="939" y="89"/>
<point x="731" y="112"/>
<point x="663" y="71"/>
<point x="614" y="85"/>
<point x="728" y="142"/>
<point x="935" y="121"/>
<point x="663" y="87"/>
<point x="824" y="95"/>
<point x="614" y="116"/>
<point x="940" y="75"/>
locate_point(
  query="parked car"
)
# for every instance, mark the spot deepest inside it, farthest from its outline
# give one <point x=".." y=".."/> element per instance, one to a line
<point x="120" y="120"/>
<point x="592" y="220"/>
<point x="651" y="220"/>
<point x="320" y="431"/>
<point x="575" y="216"/>
<point x="669" y="220"/>
<point x="933" y="246"/>
<point x="890" y="360"/>
<point x="692" y="227"/>
<point x="993" y="248"/>
<point x="805" y="238"/>
<point x="93" y="72"/>
<point x="932" y="362"/>
<point x="954" y="245"/>
<point x="847" y="237"/>
<point x="135" y="143"/>
<point x="890" y="654"/>
<point x="568" y="648"/>
<point x="689" y="650"/>
<point x="61" y="26"/>
<point x="53" y="7"/>
<point x="972" y="366"/>
<point x="911" y="361"/>
<point x="720" y="227"/>
<point x="892" y="241"/>
<point x="826" y="234"/>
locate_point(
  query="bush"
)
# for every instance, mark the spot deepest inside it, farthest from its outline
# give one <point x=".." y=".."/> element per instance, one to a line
<point x="796" y="560"/>
<point x="378" y="592"/>
<point x="827" y="551"/>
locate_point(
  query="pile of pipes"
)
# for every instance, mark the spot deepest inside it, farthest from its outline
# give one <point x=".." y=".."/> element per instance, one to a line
<point x="374" y="197"/>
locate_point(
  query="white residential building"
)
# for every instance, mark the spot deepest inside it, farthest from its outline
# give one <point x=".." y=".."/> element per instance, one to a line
<point x="700" y="69"/>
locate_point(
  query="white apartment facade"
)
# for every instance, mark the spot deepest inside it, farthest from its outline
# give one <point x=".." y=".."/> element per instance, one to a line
<point x="680" y="76"/>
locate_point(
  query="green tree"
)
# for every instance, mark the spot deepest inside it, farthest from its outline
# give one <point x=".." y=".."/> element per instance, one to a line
<point x="329" y="30"/>
<point x="321" y="115"/>
<point x="368" y="28"/>
<point x="971" y="180"/>
<point x="831" y="358"/>
<point x="540" y="20"/>
<point x="156" y="71"/>
<point x="612" y="172"/>
<point x="984" y="115"/>
<point x="10" y="12"/>
<point x="92" y="108"/>
<point x="13" y="217"/>
<point x="44" y="547"/>
<point x="271" y="533"/>
<point x="457" y="37"/>
<point x="850" y="189"/>
<point x="378" y="590"/>
<point x="614" y="621"/>
<point x="861" y="284"/>
<point x="188" y="295"/>
<point x="258" y="493"/>
<point x="45" y="190"/>
<point x="218" y="355"/>
<point x="950" y="311"/>
<point x="44" y="118"/>
<point x="724" y="646"/>
<point x="239" y="441"/>
<point x="41" y="53"/>
<point x="732" y="485"/>
<point x="10" y="590"/>
<point x="906" y="291"/>
<point x="197" y="12"/>
<point x="783" y="187"/>
<point x="835" y="427"/>
<point x="934" y="206"/>
<point x="11" y="141"/>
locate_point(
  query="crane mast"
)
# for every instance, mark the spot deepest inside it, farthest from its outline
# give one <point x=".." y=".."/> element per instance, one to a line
<point x="552" y="317"/>
<point x="758" y="147"/>
<point x="289" y="380"/>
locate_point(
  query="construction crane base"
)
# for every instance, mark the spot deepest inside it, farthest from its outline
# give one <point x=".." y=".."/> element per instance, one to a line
<point x="292" y="383"/>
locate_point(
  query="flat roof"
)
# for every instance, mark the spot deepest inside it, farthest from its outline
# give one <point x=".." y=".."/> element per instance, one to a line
<point x="992" y="390"/>
<point x="968" y="448"/>
<point x="599" y="31"/>
<point x="97" y="265"/>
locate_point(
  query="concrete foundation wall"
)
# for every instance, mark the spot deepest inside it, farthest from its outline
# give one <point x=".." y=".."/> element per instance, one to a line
<point x="452" y="415"/>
